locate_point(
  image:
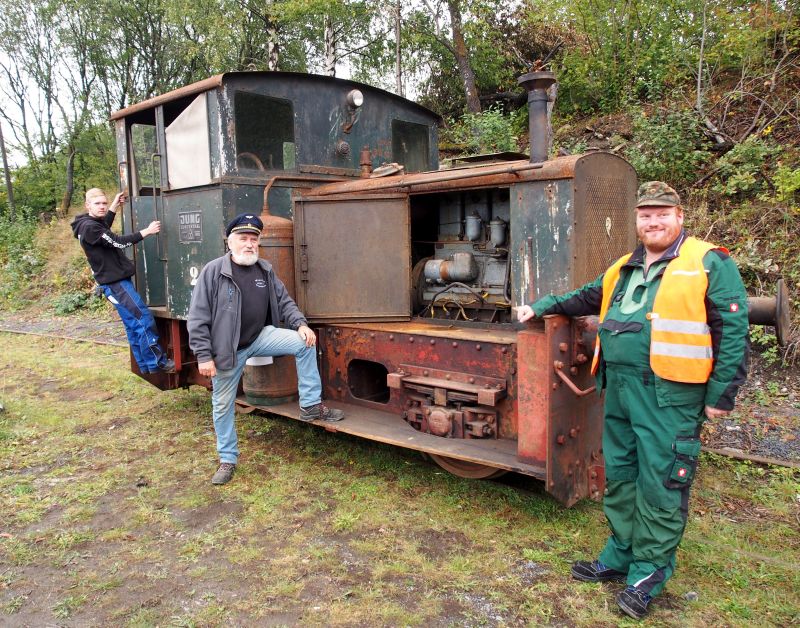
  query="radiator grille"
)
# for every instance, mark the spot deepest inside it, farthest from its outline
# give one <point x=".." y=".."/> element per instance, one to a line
<point x="605" y="224"/>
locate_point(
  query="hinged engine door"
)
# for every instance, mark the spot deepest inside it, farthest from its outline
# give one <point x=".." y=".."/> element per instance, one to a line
<point x="353" y="258"/>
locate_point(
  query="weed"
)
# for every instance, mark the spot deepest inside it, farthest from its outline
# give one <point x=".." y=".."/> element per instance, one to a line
<point x="345" y="521"/>
<point x="14" y="604"/>
<point x="68" y="606"/>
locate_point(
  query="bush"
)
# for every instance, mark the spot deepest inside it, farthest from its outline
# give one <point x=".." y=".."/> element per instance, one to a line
<point x="70" y="302"/>
<point x="20" y="258"/>
<point x="487" y="132"/>
<point x="787" y="184"/>
<point x="665" y="147"/>
<point x="740" y="172"/>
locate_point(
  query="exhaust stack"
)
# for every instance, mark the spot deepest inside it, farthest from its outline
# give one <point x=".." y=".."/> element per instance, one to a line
<point x="537" y="84"/>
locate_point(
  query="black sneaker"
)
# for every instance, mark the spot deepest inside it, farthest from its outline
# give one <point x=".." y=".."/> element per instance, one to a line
<point x="224" y="474"/>
<point x="167" y="367"/>
<point x="320" y="411"/>
<point x="634" y="602"/>
<point x="594" y="571"/>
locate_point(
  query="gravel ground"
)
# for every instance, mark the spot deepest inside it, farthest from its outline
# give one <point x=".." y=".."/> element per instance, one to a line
<point x="766" y="422"/>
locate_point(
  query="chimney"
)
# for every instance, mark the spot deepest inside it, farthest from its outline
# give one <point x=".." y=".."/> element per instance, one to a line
<point x="537" y="84"/>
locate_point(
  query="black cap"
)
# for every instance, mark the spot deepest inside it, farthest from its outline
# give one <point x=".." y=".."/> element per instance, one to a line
<point x="245" y="223"/>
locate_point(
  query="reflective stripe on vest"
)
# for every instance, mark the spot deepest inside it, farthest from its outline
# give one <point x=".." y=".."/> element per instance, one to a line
<point x="680" y="338"/>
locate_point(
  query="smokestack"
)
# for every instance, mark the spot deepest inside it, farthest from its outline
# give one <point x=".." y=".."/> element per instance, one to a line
<point x="537" y="84"/>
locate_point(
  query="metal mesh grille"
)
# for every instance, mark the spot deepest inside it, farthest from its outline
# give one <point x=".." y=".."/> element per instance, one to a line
<point x="604" y="225"/>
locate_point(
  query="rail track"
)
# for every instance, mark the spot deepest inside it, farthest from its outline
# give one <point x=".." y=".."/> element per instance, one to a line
<point x="727" y="452"/>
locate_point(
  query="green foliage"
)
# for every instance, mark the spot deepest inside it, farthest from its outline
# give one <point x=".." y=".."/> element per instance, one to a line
<point x="70" y="302"/>
<point x="741" y="170"/>
<point x="787" y="184"/>
<point x="487" y="132"/>
<point x="666" y="147"/>
<point x="627" y="52"/>
<point x="766" y="343"/>
<point x="20" y="258"/>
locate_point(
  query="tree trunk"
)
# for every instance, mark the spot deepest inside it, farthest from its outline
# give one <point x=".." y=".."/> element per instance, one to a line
<point x="398" y="67"/>
<point x="273" y="50"/>
<point x="9" y="188"/>
<point x="330" y="48"/>
<point x="462" y="58"/>
<point x="69" y="185"/>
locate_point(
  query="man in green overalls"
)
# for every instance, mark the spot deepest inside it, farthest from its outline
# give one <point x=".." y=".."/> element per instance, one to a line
<point x="672" y="351"/>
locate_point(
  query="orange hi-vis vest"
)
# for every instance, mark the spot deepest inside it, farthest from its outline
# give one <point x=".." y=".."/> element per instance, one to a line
<point x="680" y="338"/>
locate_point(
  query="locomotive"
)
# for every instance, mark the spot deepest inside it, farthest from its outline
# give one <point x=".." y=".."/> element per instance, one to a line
<point x="408" y="273"/>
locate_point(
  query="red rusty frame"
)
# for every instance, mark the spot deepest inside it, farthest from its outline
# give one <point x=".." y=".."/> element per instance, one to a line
<point x="478" y="353"/>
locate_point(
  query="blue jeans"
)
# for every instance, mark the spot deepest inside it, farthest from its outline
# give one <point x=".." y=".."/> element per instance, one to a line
<point x="272" y="341"/>
<point x="139" y="324"/>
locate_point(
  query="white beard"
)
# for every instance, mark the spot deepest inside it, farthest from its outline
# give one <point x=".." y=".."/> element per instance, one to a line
<point x="245" y="259"/>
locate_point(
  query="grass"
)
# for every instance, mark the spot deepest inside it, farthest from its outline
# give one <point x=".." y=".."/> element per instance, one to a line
<point x="108" y="518"/>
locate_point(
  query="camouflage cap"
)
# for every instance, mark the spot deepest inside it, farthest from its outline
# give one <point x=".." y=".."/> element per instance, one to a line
<point x="657" y="194"/>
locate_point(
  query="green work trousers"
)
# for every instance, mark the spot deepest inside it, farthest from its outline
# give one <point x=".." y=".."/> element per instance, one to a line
<point x="651" y="457"/>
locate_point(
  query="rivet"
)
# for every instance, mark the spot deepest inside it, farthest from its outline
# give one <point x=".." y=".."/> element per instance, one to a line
<point x="372" y="335"/>
<point x="477" y="347"/>
<point x="560" y="439"/>
<point x="447" y="377"/>
<point x="411" y="339"/>
<point x="455" y="344"/>
<point x="339" y="389"/>
<point x="504" y="350"/>
<point x="391" y="336"/>
<point x="337" y="332"/>
<point x="433" y="342"/>
<point x="471" y="380"/>
<point x="573" y="433"/>
<point x="486" y="385"/>
<point x="552" y="483"/>
<point x="425" y="373"/>
<point x="338" y="370"/>
<point x="562" y="347"/>
<point x="573" y="370"/>
<point x="555" y="385"/>
<point x="593" y="475"/>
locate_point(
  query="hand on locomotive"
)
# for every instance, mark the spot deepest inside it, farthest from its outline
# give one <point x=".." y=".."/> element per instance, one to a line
<point x="671" y="350"/>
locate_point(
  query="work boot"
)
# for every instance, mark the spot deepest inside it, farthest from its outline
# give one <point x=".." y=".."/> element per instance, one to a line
<point x="320" y="411"/>
<point x="634" y="602"/>
<point x="167" y="367"/>
<point x="594" y="571"/>
<point x="224" y="474"/>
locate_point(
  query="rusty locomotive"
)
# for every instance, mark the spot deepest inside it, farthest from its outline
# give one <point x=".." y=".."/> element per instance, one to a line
<point x="407" y="272"/>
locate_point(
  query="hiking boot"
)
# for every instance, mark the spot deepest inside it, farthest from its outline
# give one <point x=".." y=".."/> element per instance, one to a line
<point x="224" y="474"/>
<point x="594" y="571"/>
<point x="634" y="602"/>
<point x="167" y="367"/>
<point x="320" y="411"/>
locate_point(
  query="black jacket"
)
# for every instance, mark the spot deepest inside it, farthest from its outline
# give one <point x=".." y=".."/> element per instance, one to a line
<point x="104" y="248"/>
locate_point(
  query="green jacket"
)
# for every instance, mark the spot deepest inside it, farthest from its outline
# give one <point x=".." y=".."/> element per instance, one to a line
<point x="728" y="323"/>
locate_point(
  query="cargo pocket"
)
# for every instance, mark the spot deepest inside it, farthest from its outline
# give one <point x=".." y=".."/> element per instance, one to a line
<point x="687" y="449"/>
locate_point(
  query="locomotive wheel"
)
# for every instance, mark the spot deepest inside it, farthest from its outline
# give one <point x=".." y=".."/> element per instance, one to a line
<point x="464" y="469"/>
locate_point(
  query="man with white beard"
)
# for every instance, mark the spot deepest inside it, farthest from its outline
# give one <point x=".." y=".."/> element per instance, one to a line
<point x="240" y="310"/>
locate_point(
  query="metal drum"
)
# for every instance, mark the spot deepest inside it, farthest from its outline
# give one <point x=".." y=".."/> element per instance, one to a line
<point x="276" y="383"/>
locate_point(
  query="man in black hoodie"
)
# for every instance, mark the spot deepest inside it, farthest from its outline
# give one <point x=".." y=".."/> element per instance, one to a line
<point x="113" y="271"/>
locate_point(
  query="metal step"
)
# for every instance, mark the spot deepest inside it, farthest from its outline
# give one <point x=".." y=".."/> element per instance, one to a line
<point x="385" y="427"/>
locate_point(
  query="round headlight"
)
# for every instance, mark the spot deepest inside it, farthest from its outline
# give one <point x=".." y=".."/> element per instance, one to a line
<point x="355" y="98"/>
